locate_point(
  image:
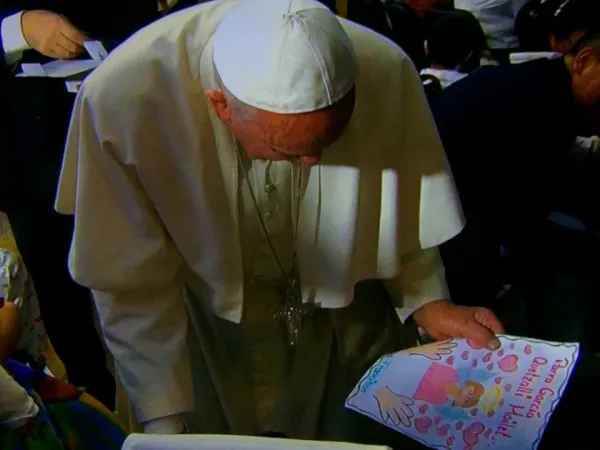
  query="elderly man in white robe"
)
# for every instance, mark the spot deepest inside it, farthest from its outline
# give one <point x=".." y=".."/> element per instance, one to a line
<point x="240" y="173"/>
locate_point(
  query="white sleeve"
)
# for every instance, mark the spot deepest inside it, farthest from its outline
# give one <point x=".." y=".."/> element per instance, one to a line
<point x="16" y="407"/>
<point x="165" y="425"/>
<point x="13" y="39"/>
<point x="121" y="251"/>
<point x="421" y="281"/>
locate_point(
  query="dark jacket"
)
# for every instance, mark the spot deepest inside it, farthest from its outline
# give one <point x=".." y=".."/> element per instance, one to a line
<point x="506" y="131"/>
<point x="36" y="111"/>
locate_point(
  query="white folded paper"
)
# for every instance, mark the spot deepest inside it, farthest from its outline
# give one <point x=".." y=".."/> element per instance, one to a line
<point x="216" y="442"/>
<point x="67" y="68"/>
<point x="58" y="68"/>
<point x="523" y="57"/>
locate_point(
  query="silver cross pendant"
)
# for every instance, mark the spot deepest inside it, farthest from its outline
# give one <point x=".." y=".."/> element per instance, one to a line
<point x="292" y="312"/>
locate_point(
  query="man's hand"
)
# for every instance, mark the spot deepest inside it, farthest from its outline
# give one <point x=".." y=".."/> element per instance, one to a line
<point x="434" y="351"/>
<point x="52" y="34"/>
<point x="442" y="319"/>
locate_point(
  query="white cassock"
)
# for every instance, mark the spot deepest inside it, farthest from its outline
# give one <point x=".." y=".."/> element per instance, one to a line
<point x="183" y="280"/>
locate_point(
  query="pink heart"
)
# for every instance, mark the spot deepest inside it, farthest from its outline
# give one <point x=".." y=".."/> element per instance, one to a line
<point x="487" y="433"/>
<point x="490" y="366"/>
<point x="422" y="424"/>
<point x="423" y="409"/>
<point x="474" y="411"/>
<point x="465" y="355"/>
<point x="508" y="387"/>
<point x="450" y="360"/>
<point x="474" y="345"/>
<point x="527" y="349"/>
<point x="500" y="353"/>
<point x="450" y="441"/>
<point x="509" y="363"/>
<point x="487" y="357"/>
<point x="498" y="380"/>
<point x="474" y="363"/>
<point x="459" y="425"/>
<point x="471" y="434"/>
<point x="443" y="430"/>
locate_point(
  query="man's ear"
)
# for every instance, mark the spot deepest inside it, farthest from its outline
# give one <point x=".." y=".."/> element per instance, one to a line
<point x="565" y="45"/>
<point x="219" y="105"/>
<point x="584" y="60"/>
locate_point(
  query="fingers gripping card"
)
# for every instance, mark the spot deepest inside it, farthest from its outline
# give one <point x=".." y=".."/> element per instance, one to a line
<point x="455" y="395"/>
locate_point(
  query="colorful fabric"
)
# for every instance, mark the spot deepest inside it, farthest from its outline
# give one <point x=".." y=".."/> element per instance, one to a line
<point x="68" y="420"/>
<point x="16" y="286"/>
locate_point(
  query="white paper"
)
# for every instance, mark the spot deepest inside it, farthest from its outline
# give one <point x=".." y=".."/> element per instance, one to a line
<point x="96" y="50"/>
<point x="63" y="69"/>
<point x="73" y="86"/>
<point x="58" y="68"/>
<point x="33" y="70"/>
<point x="214" y="442"/>
<point x="454" y="395"/>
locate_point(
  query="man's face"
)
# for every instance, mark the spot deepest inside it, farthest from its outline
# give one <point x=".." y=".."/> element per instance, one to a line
<point x="585" y="69"/>
<point x="271" y="136"/>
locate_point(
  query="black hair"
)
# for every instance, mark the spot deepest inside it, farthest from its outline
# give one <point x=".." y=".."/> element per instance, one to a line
<point x="455" y="39"/>
<point x="538" y="19"/>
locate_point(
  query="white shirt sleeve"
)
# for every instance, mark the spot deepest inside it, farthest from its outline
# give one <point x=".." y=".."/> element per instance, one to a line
<point x="421" y="281"/>
<point x="121" y="251"/>
<point x="165" y="425"/>
<point x="16" y="407"/>
<point x="13" y="39"/>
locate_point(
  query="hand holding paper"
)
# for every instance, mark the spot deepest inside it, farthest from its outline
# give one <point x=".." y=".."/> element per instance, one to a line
<point x="442" y="319"/>
<point x="454" y="394"/>
<point x="52" y="34"/>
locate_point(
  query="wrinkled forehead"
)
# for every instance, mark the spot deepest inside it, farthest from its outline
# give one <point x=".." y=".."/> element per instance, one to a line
<point x="299" y="134"/>
<point x="313" y="120"/>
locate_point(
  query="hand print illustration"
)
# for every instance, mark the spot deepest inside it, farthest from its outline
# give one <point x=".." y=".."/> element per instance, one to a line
<point x="394" y="408"/>
<point x="435" y="351"/>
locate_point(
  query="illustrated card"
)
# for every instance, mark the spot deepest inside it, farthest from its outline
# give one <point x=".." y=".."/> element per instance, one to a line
<point x="455" y="395"/>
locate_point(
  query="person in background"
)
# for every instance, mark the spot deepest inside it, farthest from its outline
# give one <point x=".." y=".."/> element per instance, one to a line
<point x="17" y="291"/>
<point x="39" y="412"/>
<point x="35" y="119"/>
<point x="550" y="28"/>
<point x="423" y="7"/>
<point x="454" y="48"/>
<point x="508" y="132"/>
<point x="36" y="410"/>
<point x="497" y="18"/>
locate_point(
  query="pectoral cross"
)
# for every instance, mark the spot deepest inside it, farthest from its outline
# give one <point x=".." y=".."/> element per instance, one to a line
<point x="293" y="311"/>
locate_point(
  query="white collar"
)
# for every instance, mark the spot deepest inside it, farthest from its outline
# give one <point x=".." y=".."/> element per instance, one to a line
<point x="446" y="77"/>
<point x="522" y="57"/>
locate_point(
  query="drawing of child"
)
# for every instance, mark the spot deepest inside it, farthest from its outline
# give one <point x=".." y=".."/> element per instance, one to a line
<point x="447" y="387"/>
